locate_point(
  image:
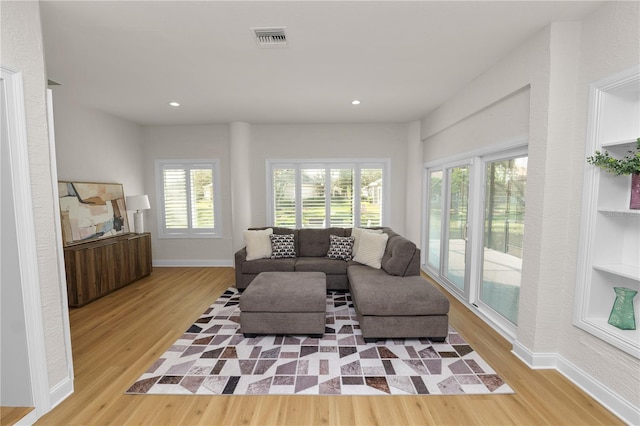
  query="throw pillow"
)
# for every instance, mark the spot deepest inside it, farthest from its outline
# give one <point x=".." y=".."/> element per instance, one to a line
<point x="371" y="249"/>
<point x="282" y="246"/>
<point x="356" y="232"/>
<point x="340" y="248"/>
<point x="258" y="243"/>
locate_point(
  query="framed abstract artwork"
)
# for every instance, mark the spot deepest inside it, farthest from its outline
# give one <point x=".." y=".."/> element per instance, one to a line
<point x="90" y="211"/>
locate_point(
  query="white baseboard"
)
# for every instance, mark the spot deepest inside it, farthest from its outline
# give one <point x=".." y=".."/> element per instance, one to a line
<point x="605" y="396"/>
<point x="194" y="263"/>
<point x="61" y="391"/>
<point x="28" y="420"/>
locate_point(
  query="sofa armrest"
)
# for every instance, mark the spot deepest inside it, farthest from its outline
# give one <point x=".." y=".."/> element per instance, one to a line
<point x="400" y="257"/>
<point x="239" y="258"/>
<point x="414" y="265"/>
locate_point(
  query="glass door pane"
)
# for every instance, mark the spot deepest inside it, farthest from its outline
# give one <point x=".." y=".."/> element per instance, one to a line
<point x="503" y="234"/>
<point x="458" y="206"/>
<point x="435" y="219"/>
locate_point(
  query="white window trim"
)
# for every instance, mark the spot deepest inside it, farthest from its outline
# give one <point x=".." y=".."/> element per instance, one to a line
<point x="356" y="163"/>
<point x="189" y="233"/>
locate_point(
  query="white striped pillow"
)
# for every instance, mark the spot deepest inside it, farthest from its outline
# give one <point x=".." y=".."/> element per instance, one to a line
<point x="371" y="249"/>
<point x="356" y="232"/>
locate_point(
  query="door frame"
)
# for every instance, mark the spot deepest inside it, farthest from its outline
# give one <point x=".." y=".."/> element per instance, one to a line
<point x="26" y="245"/>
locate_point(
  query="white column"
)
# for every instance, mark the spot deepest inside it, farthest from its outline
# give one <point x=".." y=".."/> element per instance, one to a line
<point x="239" y="153"/>
<point x="413" y="199"/>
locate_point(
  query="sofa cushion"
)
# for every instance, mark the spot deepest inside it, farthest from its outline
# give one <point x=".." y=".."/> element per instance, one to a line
<point x="356" y="232"/>
<point x="258" y="243"/>
<point x="268" y="265"/>
<point x="315" y="242"/>
<point x="340" y="248"/>
<point x="321" y="264"/>
<point x="282" y="246"/>
<point x="377" y="293"/>
<point x="398" y="255"/>
<point x="371" y="250"/>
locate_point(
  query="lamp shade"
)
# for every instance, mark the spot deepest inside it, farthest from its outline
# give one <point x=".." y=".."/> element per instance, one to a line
<point x="138" y="202"/>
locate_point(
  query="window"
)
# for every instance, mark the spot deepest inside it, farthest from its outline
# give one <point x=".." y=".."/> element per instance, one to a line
<point x="324" y="193"/>
<point x="188" y="203"/>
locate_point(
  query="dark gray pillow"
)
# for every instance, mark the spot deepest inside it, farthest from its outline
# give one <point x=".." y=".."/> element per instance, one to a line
<point x="340" y="248"/>
<point x="282" y="246"/>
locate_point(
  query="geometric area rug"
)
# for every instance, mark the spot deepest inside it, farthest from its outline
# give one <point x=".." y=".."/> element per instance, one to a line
<point x="213" y="358"/>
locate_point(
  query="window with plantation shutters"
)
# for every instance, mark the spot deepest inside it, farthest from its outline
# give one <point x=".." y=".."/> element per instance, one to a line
<point x="327" y="193"/>
<point x="284" y="197"/>
<point x="188" y="198"/>
<point x="313" y="197"/>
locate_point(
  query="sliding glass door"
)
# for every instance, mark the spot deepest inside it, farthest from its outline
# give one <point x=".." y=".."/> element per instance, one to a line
<point x="455" y="261"/>
<point x="434" y="220"/>
<point x="505" y="182"/>
<point x="447" y="222"/>
<point x="474" y="231"/>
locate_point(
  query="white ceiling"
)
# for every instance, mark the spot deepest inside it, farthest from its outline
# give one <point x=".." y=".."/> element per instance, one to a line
<point x="401" y="59"/>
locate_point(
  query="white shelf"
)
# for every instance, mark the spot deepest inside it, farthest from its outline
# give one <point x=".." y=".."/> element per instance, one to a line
<point x="626" y="271"/>
<point x="610" y="232"/>
<point x="620" y="145"/>
<point x="620" y="212"/>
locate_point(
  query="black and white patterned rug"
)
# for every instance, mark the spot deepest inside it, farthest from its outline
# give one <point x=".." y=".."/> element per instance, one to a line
<point x="212" y="357"/>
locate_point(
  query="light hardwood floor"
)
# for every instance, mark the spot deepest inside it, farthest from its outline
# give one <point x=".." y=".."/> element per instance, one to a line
<point x="11" y="415"/>
<point x="115" y="339"/>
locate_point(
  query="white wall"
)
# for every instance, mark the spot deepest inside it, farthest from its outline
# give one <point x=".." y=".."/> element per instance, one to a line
<point x="188" y="142"/>
<point x="502" y="121"/>
<point x="258" y="143"/>
<point x="610" y="43"/>
<point x="21" y="36"/>
<point x="552" y="70"/>
<point x="92" y="146"/>
<point x="298" y="141"/>
<point x="15" y="380"/>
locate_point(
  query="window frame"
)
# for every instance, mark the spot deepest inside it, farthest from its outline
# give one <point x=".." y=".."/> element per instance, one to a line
<point x="188" y="165"/>
<point x="357" y="164"/>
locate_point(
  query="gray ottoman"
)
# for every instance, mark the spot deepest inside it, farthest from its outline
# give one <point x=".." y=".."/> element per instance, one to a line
<point x="284" y="303"/>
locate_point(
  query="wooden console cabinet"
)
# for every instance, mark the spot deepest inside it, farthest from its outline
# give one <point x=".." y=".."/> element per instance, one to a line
<point x="95" y="269"/>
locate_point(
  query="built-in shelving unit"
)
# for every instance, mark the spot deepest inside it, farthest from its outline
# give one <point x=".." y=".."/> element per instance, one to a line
<point x="610" y="231"/>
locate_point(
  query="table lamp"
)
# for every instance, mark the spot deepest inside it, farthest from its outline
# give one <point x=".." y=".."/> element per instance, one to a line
<point x="138" y="203"/>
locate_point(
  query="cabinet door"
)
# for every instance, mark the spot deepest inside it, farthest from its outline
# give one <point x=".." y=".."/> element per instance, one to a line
<point x="126" y="262"/>
<point x="144" y="255"/>
<point x="89" y="273"/>
<point x="106" y="274"/>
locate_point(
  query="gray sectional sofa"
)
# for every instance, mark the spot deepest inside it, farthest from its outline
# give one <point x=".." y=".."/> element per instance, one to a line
<point x="391" y="302"/>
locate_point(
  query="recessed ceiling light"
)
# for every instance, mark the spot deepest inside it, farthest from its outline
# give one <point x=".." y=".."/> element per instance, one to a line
<point x="174" y="104"/>
<point x="355" y="102"/>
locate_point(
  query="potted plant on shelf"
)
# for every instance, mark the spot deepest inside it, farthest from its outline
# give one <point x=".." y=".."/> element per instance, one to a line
<point x="628" y="165"/>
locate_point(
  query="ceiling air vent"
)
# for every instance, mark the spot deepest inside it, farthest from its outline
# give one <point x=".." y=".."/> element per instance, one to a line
<point x="270" y="37"/>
